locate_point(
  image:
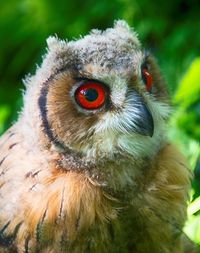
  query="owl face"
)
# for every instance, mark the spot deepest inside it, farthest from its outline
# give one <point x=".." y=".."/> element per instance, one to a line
<point x="101" y="95"/>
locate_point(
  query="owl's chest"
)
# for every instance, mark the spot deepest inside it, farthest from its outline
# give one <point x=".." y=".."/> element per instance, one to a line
<point x="105" y="236"/>
<point x="103" y="231"/>
<point x="106" y="232"/>
<point x="69" y="213"/>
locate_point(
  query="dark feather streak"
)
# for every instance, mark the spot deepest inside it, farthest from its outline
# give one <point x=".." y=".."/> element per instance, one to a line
<point x="26" y="245"/>
<point x="7" y="240"/>
<point x="12" y="145"/>
<point x="31" y="174"/>
<point x="42" y="102"/>
<point x="1" y="162"/>
<point x="9" y="136"/>
<point x="39" y="226"/>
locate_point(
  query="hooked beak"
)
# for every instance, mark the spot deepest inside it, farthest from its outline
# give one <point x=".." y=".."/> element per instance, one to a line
<point x="144" y="124"/>
<point x="142" y="120"/>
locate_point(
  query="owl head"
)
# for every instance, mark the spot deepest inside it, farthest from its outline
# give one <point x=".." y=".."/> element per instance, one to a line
<point x="98" y="96"/>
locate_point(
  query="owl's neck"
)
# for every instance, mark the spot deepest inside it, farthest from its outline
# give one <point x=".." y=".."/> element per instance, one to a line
<point x="114" y="171"/>
<point x="114" y="175"/>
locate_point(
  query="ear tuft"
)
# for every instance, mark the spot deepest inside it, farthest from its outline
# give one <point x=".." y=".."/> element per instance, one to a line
<point x="52" y="42"/>
<point x="55" y="44"/>
<point x="121" y="25"/>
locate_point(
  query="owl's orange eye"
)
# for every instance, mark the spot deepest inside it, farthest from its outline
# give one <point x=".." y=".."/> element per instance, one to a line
<point x="147" y="78"/>
<point x="90" y="95"/>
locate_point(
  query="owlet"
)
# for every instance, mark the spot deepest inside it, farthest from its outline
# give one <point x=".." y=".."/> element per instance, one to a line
<point x="88" y="168"/>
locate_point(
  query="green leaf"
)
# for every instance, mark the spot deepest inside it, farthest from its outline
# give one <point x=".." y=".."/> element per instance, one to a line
<point x="192" y="228"/>
<point x="4" y="114"/>
<point x="189" y="89"/>
<point x="194" y="207"/>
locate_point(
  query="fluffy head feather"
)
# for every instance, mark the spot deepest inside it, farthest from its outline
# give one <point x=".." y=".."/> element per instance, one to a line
<point x="113" y="57"/>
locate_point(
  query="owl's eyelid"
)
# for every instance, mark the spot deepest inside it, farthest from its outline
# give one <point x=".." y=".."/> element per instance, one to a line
<point x="91" y="80"/>
<point x="87" y="79"/>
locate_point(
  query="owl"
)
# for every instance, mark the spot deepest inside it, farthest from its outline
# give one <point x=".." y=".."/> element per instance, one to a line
<point x="88" y="167"/>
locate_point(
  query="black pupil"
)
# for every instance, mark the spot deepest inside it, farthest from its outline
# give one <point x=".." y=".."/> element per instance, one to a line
<point x="91" y="94"/>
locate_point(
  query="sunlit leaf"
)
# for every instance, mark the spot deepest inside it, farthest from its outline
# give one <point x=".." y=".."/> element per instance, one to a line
<point x="192" y="228"/>
<point x="189" y="89"/>
<point x="194" y="207"/>
<point x="4" y="114"/>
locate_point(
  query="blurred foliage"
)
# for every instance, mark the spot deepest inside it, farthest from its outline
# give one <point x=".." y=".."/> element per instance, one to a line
<point x="188" y="96"/>
<point x="168" y="28"/>
<point x="187" y="119"/>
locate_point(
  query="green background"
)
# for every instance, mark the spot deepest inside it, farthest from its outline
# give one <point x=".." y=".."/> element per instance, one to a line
<point x="170" y="29"/>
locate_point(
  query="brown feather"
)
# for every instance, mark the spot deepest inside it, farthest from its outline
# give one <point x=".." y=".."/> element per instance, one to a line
<point x="77" y="181"/>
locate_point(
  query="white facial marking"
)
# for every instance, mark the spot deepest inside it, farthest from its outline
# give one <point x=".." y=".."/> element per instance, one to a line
<point x="113" y="131"/>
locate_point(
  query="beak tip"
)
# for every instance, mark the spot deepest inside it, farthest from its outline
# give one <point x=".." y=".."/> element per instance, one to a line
<point x="151" y="133"/>
<point x="148" y="131"/>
